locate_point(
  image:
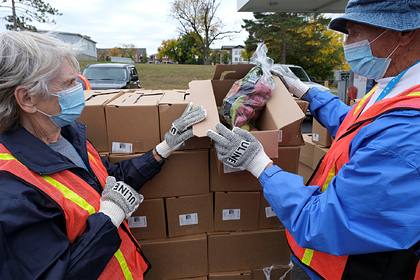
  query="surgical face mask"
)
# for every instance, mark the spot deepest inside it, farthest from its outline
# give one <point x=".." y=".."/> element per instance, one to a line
<point x="72" y="103"/>
<point x="363" y="63"/>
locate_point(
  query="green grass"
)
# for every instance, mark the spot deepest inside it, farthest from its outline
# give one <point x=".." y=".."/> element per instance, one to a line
<point x="167" y="76"/>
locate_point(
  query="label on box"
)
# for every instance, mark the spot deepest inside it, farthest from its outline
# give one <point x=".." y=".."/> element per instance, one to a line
<point x="231" y="214"/>
<point x="137" y="222"/>
<point x="315" y="137"/>
<point x="269" y="212"/>
<point x="188" y="219"/>
<point x="280" y="136"/>
<point x="122" y="148"/>
<point x="229" y="169"/>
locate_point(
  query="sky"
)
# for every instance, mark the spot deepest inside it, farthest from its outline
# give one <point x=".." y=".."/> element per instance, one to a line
<point x="143" y="23"/>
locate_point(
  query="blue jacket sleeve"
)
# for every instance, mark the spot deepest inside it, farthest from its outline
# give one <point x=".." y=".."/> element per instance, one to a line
<point x="371" y="205"/>
<point x="34" y="244"/>
<point x="327" y="109"/>
<point x="136" y="171"/>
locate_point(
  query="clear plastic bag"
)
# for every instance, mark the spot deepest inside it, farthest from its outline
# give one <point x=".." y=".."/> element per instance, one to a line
<point x="247" y="97"/>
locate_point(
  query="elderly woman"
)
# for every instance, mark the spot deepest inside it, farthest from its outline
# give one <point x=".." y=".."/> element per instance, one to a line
<point x="61" y="209"/>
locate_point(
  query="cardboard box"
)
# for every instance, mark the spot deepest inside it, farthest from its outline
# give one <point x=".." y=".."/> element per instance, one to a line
<point x="192" y="278"/>
<point x="104" y="155"/>
<point x="275" y="273"/>
<point x="231" y="182"/>
<point x="320" y="134"/>
<point x="228" y="251"/>
<point x="189" y="214"/>
<point x="280" y="110"/>
<point x="176" y="257"/>
<point x="185" y="173"/>
<point x="93" y="116"/>
<point x="148" y="221"/>
<point x="133" y="121"/>
<point x="307" y="151"/>
<point x="231" y="275"/>
<point x="267" y="218"/>
<point x="235" y="211"/>
<point x="288" y="159"/>
<point x="319" y="153"/>
<point x="171" y="107"/>
<point x="305" y="171"/>
<point x="291" y="135"/>
<point x="232" y="179"/>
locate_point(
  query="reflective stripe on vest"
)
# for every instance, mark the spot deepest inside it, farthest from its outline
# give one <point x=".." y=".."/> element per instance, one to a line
<point x="86" y="81"/>
<point x="326" y="265"/>
<point x="78" y="200"/>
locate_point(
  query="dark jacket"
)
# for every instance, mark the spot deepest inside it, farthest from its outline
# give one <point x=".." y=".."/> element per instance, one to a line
<point x="33" y="240"/>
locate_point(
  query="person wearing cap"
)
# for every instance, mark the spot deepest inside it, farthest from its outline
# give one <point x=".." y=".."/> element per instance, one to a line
<point x="63" y="208"/>
<point x="358" y="216"/>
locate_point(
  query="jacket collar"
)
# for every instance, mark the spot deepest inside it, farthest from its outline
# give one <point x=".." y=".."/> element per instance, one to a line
<point x="37" y="156"/>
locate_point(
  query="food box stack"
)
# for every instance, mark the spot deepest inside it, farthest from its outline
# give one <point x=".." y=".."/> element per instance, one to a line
<point x="201" y="219"/>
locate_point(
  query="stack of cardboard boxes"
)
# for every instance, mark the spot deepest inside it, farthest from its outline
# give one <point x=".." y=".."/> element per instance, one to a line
<point x="200" y="219"/>
<point x="316" y="146"/>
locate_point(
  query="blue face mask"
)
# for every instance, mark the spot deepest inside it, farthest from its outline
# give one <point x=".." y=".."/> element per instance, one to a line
<point x="363" y="63"/>
<point x="72" y="103"/>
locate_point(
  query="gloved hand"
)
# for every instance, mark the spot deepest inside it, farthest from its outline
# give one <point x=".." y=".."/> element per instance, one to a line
<point x="290" y="80"/>
<point x="119" y="200"/>
<point x="239" y="148"/>
<point x="180" y="130"/>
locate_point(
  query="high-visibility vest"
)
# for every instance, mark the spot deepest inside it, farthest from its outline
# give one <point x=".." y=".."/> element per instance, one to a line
<point x="86" y="81"/>
<point x="326" y="265"/>
<point x="77" y="200"/>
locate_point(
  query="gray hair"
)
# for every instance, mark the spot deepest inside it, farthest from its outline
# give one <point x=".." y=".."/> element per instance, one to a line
<point x="31" y="60"/>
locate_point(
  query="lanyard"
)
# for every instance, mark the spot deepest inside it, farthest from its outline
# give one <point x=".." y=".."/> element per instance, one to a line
<point x="392" y="83"/>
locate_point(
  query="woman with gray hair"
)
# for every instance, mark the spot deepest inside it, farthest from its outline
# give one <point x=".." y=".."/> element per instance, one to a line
<point x="62" y="207"/>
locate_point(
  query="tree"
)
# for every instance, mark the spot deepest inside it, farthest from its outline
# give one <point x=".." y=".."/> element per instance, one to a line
<point x="115" y="52"/>
<point x="180" y="50"/>
<point x="226" y="57"/>
<point x="296" y="38"/>
<point x="27" y="11"/>
<point x="144" y="58"/>
<point x="129" y="50"/>
<point x="199" y="22"/>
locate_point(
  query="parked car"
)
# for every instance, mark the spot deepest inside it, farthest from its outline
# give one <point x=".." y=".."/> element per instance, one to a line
<point x="112" y="76"/>
<point x="301" y="74"/>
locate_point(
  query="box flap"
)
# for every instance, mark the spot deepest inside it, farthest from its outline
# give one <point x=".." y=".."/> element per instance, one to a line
<point x="201" y="93"/>
<point x="280" y="109"/>
<point x="173" y="97"/>
<point x="137" y="98"/>
<point x="232" y="71"/>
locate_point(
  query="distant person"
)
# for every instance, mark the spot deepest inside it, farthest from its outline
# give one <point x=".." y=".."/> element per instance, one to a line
<point x="81" y="79"/>
<point x="358" y="217"/>
<point x="63" y="207"/>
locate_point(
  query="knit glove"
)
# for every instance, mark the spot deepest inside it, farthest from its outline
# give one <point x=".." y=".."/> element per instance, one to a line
<point x="119" y="200"/>
<point x="239" y="148"/>
<point x="290" y="80"/>
<point x="180" y="130"/>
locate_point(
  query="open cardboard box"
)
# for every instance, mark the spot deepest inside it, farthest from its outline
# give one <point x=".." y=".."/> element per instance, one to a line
<point x="171" y="107"/>
<point x="280" y="110"/>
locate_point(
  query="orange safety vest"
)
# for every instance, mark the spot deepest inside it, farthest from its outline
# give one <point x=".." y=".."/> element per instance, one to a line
<point x="86" y="81"/>
<point x="78" y="200"/>
<point x="326" y="265"/>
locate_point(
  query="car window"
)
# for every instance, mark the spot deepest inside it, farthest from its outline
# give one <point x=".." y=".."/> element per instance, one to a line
<point x="300" y="73"/>
<point x="105" y="73"/>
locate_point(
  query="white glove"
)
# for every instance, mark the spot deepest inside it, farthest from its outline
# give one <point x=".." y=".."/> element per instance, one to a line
<point x="290" y="80"/>
<point x="239" y="148"/>
<point x="119" y="200"/>
<point x="180" y="130"/>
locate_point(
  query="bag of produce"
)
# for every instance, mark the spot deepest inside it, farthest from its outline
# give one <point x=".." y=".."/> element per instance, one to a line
<point x="245" y="100"/>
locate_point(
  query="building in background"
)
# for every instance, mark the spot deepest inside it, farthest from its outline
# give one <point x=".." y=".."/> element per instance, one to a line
<point x="235" y="52"/>
<point x="87" y="47"/>
<point x="104" y="54"/>
<point x="155" y="59"/>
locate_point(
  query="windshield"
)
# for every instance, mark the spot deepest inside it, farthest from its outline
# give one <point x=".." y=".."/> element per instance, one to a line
<point x="105" y="73"/>
<point x="300" y="73"/>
